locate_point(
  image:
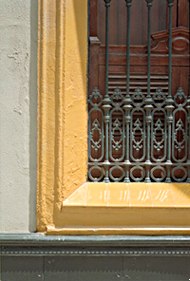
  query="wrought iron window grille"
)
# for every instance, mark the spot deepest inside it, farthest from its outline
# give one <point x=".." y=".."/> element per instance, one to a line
<point x="138" y="134"/>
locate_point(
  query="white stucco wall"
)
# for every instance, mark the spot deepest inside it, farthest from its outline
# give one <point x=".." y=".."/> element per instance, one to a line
<point x="18" y="103"/>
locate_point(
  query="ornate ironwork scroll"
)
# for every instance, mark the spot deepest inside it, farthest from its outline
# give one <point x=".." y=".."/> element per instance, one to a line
<point x="129" y="121"/>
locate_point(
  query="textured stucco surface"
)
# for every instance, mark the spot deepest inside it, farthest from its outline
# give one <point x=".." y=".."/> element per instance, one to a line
<point x="18" y="98"/>
<point x="62" y="115"/>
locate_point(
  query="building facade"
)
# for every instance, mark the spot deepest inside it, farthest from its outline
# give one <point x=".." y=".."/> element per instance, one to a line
<point x="43" y="144"/>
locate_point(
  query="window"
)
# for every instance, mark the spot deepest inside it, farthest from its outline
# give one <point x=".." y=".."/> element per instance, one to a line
<point x="139" y="91"/>
<point x="67" y="202"/>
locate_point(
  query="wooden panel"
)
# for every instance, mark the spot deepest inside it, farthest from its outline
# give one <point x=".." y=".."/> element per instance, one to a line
<point x="138" y="68"/>
<point x="138" y="24"/>
<point x="183" y="13"/>
<point x="117" y="59"/>
<point x="93" y="18"/>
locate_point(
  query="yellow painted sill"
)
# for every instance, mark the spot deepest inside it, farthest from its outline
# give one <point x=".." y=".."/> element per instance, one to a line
<point x="126" y="208"/>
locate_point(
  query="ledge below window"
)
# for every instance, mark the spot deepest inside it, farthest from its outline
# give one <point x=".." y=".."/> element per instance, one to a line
<point x="126" y="208"/>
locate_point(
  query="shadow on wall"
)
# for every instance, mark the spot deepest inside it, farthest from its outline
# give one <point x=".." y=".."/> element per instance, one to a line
<point x="33" y="113"/>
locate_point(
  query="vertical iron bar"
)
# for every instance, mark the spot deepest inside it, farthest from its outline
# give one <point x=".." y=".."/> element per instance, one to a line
<point x="127" y="101"/>
<point x="107" y="100"/>
<point x="169" y="100"/>
<point x="169" y="110"/>
<point x="188" y="119"/>
<point x="170" y="6"/>
<point x="148" y="108"/>
<point x="149" y="6"/>
<point x="148" y="100"/>
<point x="127" y="107"/>
<point x="188" y="137"/>
<point x="107" y="5"/>
<point x="128" y="43"/>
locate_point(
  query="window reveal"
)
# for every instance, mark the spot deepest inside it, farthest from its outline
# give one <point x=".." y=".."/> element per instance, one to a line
<point x="139" y="103"/>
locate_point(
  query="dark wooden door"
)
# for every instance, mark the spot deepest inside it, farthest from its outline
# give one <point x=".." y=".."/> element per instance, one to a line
<point x="117" y="47"/>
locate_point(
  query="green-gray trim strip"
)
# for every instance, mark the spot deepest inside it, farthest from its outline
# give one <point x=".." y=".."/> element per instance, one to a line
<point x="42" y="245"/>
<point x="93" y="240"/>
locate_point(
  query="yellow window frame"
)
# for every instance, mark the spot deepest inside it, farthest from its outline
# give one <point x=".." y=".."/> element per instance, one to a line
<point x="67" y="203"/>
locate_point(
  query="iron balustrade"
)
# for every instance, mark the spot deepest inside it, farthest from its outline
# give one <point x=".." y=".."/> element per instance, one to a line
<point x="136" y="136"/>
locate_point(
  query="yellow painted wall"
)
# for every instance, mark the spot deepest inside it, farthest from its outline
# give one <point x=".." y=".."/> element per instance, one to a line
<point x="75" y="95"/>
<point x="62" y="106"/>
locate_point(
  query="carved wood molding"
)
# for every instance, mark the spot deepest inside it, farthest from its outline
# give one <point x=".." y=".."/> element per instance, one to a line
<point x="180" y="41"/>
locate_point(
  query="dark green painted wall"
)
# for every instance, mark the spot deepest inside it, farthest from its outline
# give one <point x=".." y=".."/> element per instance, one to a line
<point x="95" y="268"/>
<point x="94" y="258"/>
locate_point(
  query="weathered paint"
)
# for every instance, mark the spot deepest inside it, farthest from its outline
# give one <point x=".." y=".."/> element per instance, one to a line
<point x="18" y="109"/>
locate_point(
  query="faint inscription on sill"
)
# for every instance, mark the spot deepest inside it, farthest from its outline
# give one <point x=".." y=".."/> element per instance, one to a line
<point x="131" y="194"/>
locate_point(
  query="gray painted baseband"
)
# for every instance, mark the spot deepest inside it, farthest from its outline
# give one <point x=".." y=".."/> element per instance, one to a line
<point x="42" y="245"/>
<point x="32" y="239"/>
